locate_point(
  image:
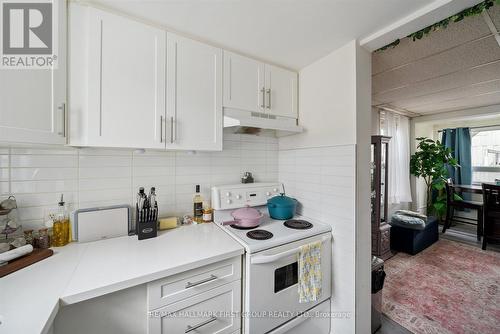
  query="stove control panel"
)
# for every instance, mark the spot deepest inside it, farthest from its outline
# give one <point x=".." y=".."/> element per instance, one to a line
<point x="240" y="195"/>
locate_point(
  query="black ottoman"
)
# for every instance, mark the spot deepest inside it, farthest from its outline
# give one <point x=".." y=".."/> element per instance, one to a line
<point x="413" y="241"/>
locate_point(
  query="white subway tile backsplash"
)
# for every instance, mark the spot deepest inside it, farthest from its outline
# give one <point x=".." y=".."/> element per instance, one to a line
<point x="4" y="174"/>
<point x="104" y="161"/>
<point x="4" y="187"/>
<point x="43" y="151"/>
<point x="154" y="160"/>
<point x="104" y="172"/>
<point x="54" y="173"/>
<point x="42" y="199"/>
<point x="59" y="186"/>
<point x="322" y="180"/>
<point x="4" y="161"/>
<point x="148" y="171"/>
<point x="104" y="151"/>
<point x="104" y="183"/>
<point x="91" y="177"/>
<point x="106" y="195"/>
<point x="31" y="160"/>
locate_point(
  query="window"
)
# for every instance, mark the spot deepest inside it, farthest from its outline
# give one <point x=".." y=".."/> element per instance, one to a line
<point x="485" y="149"/>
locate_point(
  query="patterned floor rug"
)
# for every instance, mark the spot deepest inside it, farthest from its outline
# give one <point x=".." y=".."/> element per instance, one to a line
<point x="449" y="288"/>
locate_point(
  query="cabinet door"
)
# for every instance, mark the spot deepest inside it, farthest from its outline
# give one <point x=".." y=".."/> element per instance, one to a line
<point x="32" y="102"/>
<point x="127" y="82"/>
<point x="208" y="312"/>
<point x="243" y="83"/>
<point x="194" y="95"/>
<point x="281" y="92"/>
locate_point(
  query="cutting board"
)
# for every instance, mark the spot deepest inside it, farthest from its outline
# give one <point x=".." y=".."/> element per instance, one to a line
<point x="101" y="223"/>
<point x="24" y="261"/>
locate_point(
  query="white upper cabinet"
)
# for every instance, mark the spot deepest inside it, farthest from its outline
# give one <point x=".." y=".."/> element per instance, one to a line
<point x="125" y="81"/>
<point x="32" y="102"/>
<point x="281" y="92"/>
<point x="243" y="83"/>
<point x="253" y="86"/>
<point x="132" y="86"/>
<point x="194" y="95"/>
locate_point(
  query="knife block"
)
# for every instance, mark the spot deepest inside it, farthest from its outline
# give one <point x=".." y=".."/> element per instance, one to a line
<point x="146" y="222"/>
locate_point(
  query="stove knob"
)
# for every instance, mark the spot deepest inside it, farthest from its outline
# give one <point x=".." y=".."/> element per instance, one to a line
<point x="275" y="190"/>
<point x="238" y="196"/>
<point x="268" y="194"/>
<point x="228" y="194"/>
<point x="229" y="201"/>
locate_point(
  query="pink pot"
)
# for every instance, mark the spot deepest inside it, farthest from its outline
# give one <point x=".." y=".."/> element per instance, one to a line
<point x="245" y="217"/>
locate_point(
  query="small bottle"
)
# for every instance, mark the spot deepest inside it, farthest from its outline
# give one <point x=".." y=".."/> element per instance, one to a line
<point x="61" y="228"/>
<point x="198" y="206"/>
<point x="207" y="213"/>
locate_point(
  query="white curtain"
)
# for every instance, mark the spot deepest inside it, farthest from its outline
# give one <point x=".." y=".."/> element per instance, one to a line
<point x="398" y="127"/>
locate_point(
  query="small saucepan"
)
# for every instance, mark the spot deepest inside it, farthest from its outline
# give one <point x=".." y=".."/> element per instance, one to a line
<point x="281" y="207"/>
<point x="245" y="217"/>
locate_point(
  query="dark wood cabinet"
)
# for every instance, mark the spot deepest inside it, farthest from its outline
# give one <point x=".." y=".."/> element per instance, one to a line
<point x="381" y="230"/>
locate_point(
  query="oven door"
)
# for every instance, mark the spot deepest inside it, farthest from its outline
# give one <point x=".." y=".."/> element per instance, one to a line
<point x="315" y="320"/>
<point x="271" y="292"/>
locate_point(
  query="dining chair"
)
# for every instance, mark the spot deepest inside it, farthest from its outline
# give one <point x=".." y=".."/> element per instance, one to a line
<point x="491" y="202"/>
<point x="452" y="204"/>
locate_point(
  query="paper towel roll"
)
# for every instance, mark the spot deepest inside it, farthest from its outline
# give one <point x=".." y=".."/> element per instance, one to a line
<point x="15" y="253"/>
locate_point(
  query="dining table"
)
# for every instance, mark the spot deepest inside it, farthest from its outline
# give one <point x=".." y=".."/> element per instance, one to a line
<point x="470" y="188"/>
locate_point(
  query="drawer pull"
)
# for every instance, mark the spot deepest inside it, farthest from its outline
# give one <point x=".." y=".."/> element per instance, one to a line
<point x="190" y="328"/>
<point x="211" y="278"/>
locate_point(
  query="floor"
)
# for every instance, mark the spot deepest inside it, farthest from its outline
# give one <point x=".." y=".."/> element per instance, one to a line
<point x="417" y="294"/>
<point x="391" y="327"/>
<point x="465" y="233"/>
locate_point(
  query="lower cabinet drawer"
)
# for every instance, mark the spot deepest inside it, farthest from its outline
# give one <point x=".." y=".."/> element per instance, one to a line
<point x="214" y="311"/>
<point x="187" y="284"/>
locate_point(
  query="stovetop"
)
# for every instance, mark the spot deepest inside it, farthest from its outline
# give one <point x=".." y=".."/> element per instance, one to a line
<point x="281" y="234"/>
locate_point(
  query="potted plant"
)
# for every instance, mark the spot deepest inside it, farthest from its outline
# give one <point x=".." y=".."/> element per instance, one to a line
<point x="430" y="162"/>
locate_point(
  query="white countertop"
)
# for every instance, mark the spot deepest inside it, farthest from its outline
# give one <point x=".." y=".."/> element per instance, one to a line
<point x="30" y="297"/>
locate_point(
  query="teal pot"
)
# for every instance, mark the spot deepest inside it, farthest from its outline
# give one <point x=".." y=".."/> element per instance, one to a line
<point x="281" y="207"/>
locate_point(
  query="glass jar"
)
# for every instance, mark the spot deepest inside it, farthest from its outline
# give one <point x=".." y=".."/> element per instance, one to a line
<point x="207" y="214"/>
<point x="42" y="240"/>
<point x="28" y="236"/>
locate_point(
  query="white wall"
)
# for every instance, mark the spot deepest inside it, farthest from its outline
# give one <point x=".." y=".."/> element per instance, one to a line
<point x="327" y="169"/>
<point x="95" y="177"/>
<point x="363" y="189"/>
<point x="327" y="102"/>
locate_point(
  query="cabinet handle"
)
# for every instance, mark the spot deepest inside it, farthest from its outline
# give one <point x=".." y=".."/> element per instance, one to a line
<point x="161" y="128"/>
<point x="190" y="328"/>
<point x="269" y="100"/>
<point x="62" y="108"/>
<point x="263" y="91"/>
<point x="171" y="129"/>
<point x="211" y="278"/>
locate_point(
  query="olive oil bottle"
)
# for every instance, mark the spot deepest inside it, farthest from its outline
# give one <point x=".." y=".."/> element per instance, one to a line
<point x="61" y="230"/>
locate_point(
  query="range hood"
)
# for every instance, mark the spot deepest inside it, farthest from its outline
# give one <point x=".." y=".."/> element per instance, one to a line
<point x="254" y="123"/>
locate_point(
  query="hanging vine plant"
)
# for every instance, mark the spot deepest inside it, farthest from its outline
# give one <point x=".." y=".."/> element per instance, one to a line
<point x="443" y="24"/>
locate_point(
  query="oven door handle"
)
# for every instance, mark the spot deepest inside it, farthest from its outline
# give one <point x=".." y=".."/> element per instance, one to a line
<point x="261" y="259"/>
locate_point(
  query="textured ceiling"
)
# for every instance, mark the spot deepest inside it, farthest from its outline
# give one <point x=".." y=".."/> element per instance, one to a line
<point x="451" y="69"/>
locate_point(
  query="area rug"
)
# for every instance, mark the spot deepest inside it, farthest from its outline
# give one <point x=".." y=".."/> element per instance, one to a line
<point x="449" y="288"/>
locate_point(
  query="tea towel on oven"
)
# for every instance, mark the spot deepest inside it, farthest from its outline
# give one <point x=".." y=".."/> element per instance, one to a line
<point x="310" y="274"/>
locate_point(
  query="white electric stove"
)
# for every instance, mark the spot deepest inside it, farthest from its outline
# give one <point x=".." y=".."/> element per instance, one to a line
<point x="270" y="298"/>
<point x="280" y="234"/>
